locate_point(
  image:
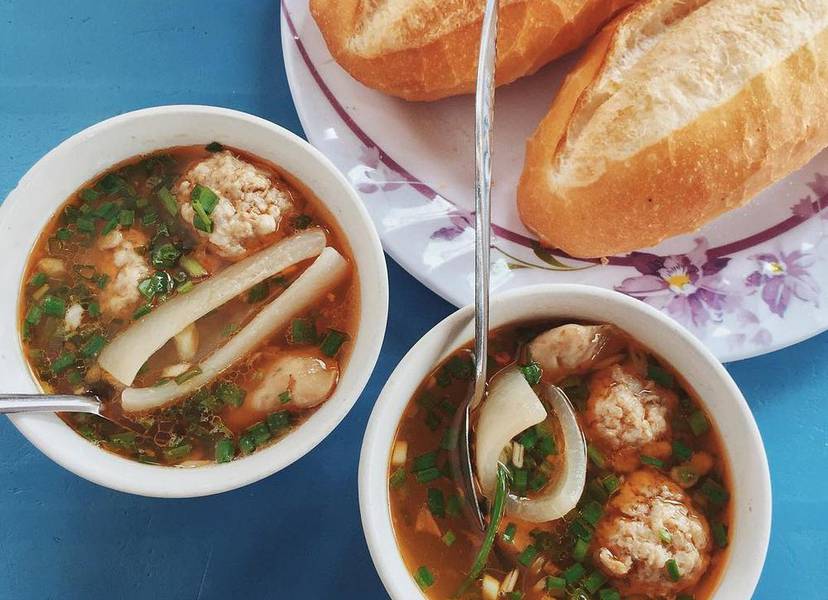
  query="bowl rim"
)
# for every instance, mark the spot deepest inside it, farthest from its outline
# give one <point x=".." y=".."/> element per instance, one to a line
<point x="47" y="432"/>
<point x="735" y="582"/>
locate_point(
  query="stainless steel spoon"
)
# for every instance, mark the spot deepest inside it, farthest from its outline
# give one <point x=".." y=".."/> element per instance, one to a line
<point x="35" y="403"/>
<point x="484" y="115"/>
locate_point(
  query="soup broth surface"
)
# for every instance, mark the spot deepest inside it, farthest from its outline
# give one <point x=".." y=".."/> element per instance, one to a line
<point x="682" y="469"/>
<point x="77" y="297"/>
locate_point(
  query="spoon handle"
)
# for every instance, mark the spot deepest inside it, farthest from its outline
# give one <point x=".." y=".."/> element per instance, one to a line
<point x="484" y="113"/>
<point x="22" y="403"/>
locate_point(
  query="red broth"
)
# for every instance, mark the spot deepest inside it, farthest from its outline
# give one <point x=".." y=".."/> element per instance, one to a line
<point x="215" y="423"/>
<point x="436" y="540"/>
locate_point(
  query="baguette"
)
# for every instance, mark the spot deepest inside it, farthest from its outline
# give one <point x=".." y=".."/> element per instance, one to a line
<point x="427" y="49"/>
<point x="679" y="111"/>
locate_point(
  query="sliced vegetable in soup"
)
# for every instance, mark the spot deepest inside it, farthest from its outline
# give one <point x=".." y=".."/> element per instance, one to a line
<point x="203" y="295"/>
<point x="603" y="477"/>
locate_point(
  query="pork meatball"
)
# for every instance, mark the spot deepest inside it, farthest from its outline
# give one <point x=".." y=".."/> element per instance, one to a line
<point x="625" y="413"/>
<point x="573" y="348"/>
<point x="307" y="380"/>
<point x="649" y="522"/>
<point x="249" y="206"/>
<point x="126" y="268"/>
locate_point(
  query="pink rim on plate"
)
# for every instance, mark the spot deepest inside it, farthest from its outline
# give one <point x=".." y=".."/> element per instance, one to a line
<point x="749" y="283"/>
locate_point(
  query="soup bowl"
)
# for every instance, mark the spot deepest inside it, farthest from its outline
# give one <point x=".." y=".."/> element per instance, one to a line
<point x="30" y="206"/>
<point x="750" y="479"/>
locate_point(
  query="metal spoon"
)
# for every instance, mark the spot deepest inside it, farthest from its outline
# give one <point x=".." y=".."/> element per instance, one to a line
<point x="34" y="403"/>
<point x="484" y="115"/>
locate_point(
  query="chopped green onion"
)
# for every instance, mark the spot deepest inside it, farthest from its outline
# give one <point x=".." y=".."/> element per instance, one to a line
<point x="185" y="287"/>
<point x="681" y="451"/>
<point x="34" y="314"/>
<point x="111" y="183"/>
<point x="101" y="280"/>
<point x="594" y="581"/>
<point x="574" y="573"/>
<point x="63" y="234"/>
<point x="580" y="550"/>
<point x="672" y="569"/>
<point x="178" y="452"/>
<point x="63" y="362"/>
<point x="528" y="555"/>
<point x="247" y="444"/>
<point x="529" y="438"/>
<point x="537" y="481"/>
<point x="284" y="397"/>
<point x="187" y="375"/>
<point x="89" y="195"/>
<point x="141" y="311"/>
<point x="581" y="529"/>
<point x="279" y="421"/>
<point x="698" y="423"/>
<point x="165" y="256"/>
<point x="204" y="197"/>
<point x="214" y="147"/>
<point x="106" y="211"/>
<point x="609" y="594"/>
<point x="397" y="478"/>
<point x="94" y="309"/>
<point x="719" y="531"/>
<point x="303" y="331"/>
<point x="125" y="439"/>
<point x="260" y="432"/>
<point x="498" y="502"/>
<point x="93" y="346"/>
<point x="592" y="512"/>
<point x="595" y="490"/>
<point x="436" y="502"/>
<point x="110" y="226"/>
<point x="460" y="367"/>
<point x="652" y="461"/>
<point x="424" y="578"/>
<point x="333" y="342"/>
<point x="230" y="393"/>
<point x="555" y="584"/>
<point x="192" y="266"/>
<point x="258" y="292"/>
<point x="454" y="506"/>
<point x="715" y="492"/>
<point x="428" y="475"/>
<point x="520" y="480"/>
<point x="38" y="279"/>
<point x="684" y="475"/>
<point x="449" y="538"/>
<point x="126" y="218"/>
<point x="532" y="372"/>
<point x="201" y="220"/>
<point x="53" y="306"/>
<point x="660" y="376"/>
<point x="225" y="450"/>
<point x="425" y="461"/>
<point x="509" y="533"/>
<point x="168" y="201"/>
<point x="665" y="536"/>
<point x="596" y="456"/>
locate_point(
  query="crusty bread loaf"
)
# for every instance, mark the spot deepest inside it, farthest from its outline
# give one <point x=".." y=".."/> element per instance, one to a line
<point x="427" y="49"/>
<point x="679" y="111"/>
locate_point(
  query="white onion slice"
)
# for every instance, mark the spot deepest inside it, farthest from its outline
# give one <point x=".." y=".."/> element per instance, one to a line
<point x="510" y="407"/>
<point x="557" y="500"/>
<point x="125" y="355"/>
<point x="324" y="274"/>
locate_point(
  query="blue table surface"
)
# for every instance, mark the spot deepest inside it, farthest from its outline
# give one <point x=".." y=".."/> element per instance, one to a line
<point x="66" y="65"/>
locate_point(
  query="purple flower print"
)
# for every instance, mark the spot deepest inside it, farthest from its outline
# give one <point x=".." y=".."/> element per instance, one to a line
<point x="373" y="175"/>
<point x="459" y="223"/>
<point x="804" y="209"/>
<point x="783" y="276"/>
<point x="686" y="286"/>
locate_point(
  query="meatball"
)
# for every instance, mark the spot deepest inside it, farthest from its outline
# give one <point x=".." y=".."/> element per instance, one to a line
<point x="573" y="348"/>
<point x="625" y="413"/>
<point x="126" y="268"/>
<point x="249" y="206"/>
<point x="308" y="381"/>
<point x="649" y="522"/>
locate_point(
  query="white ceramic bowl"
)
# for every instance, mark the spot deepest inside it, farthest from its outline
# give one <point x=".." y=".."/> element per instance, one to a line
<point x="751" y="493"/>
<point x="46" y="186"/>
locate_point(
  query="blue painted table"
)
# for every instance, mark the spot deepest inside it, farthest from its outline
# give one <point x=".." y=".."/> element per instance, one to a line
<point x="66" y="65"/>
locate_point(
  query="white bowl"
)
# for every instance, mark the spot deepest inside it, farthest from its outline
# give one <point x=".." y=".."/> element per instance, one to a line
<point x="28" y="208"/>
<point x="751" y="493"/>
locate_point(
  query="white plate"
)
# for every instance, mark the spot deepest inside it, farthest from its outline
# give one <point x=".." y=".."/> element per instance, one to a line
<point x="750" y="282"/>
